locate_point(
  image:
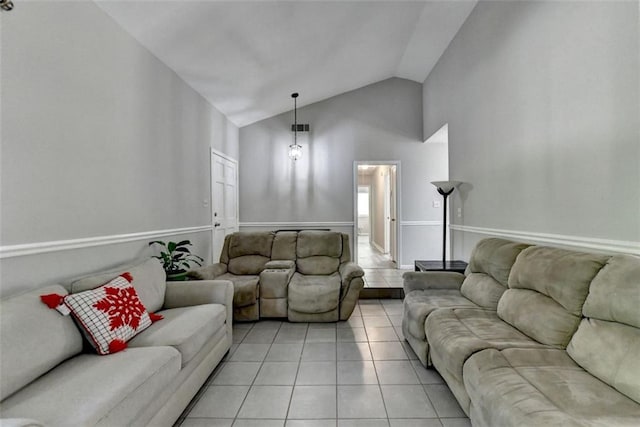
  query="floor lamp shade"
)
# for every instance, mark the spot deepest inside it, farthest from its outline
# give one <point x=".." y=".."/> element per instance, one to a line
<point x="445" y="188"/>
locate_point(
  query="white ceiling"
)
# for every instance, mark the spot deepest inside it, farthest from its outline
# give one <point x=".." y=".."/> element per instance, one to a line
<point x="246" y="58"/>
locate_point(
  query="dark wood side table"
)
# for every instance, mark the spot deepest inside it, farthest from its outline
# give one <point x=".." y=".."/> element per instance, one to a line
<point x="457" y="266"/>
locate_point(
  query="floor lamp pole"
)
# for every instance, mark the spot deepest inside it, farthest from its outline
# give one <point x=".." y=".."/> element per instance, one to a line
<point x="445" y="195"/>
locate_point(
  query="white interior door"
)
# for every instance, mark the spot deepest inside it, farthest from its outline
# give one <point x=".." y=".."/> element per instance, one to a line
<point x="224" y="200"/>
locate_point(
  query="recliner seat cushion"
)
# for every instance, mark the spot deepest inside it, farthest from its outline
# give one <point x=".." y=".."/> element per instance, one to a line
<point x="97" y="390"/>
<point x="245" y="289"/>
<point x="536" y="387"/>
<point x="314" y="294"/>
<point x="456" y="334"/>
<point x="187" y="329"/>
<point x="418" y="305"/>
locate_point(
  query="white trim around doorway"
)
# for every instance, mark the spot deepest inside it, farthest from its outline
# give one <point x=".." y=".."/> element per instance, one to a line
<point x="398" y="194"/>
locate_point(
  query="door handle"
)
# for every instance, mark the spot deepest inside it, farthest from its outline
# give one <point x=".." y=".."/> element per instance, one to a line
<point x="217" y="224"/>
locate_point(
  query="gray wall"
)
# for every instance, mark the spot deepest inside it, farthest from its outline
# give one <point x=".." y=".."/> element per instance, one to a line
<point x="99" y="138"/>
<point x="382" y="121"/>
<point x="542" y="104"/>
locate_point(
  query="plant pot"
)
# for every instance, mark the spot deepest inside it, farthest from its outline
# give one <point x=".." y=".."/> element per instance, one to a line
<point x="176" y="276"/>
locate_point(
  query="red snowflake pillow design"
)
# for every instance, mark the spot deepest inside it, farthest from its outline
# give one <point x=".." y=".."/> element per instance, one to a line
<point x="111" y="314"/>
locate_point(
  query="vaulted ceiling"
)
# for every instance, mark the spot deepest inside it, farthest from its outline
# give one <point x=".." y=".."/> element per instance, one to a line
<point x="247" y="57"/>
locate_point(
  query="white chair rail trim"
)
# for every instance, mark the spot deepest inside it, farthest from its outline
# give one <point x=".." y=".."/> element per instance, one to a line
<point x="604" y="245"/>
<point x="10" y="251"/>
<point x="296" y="225"/>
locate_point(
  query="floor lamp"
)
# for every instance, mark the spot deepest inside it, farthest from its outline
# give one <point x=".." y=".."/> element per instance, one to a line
<point x="445" y="188"/>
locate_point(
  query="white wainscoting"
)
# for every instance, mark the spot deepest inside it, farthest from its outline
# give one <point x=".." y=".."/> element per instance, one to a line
<point x="585" y="243"/>
<point x="10" y="251"/>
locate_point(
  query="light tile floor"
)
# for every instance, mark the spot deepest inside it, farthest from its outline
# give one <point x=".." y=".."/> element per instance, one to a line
<point x="347" y="374"/>
<point x="370" y="257"/>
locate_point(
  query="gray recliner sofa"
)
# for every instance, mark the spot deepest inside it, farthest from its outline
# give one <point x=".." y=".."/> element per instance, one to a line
<point x="559" y="349"/>
<point x="304" y="276"/>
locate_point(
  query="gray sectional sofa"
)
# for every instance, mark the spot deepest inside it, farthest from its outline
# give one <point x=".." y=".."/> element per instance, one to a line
<point x="49" y="379"/>
<point x="533" y="335"/>
<point x="304" y="276"/>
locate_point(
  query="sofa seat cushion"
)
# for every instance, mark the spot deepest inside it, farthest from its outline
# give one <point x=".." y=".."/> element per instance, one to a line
<point x="314" y="294"/>
<point x="96" y="390"/>
<point x="419" y="304"/>
<point x="245" y="289"/>
<point x="535" y="387"/>
<point x="187" y="329"/>
<point x="454" y="335"/>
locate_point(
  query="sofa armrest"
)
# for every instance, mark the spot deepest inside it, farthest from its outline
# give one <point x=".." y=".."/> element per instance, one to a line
<point x="210" y="272"/>
<point x="421" y="280"/>
<point x="279" y="263"/>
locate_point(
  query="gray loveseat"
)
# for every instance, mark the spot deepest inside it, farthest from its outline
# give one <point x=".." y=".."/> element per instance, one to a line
<point x="304" y="276"/>
<point x="48" y="378"/>
<point x="557" y="343"/>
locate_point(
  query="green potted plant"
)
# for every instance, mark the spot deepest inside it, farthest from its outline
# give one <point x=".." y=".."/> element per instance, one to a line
<point x="176" y="258"/>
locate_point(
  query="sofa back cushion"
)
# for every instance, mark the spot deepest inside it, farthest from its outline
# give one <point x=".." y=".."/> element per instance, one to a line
<point x="488" y="271"/>
<point x="284" y="245"/>
<point x="35" y="338"/>
<point x="249" y="252"/>
<point x="149" y="281"/>
<point x="607" y="342"/>
<point x="547" y="288"/>
<point x="318" y="252"/>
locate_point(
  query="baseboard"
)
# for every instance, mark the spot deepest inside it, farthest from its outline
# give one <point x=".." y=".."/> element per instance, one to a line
<point x="590" y="243"/>
<point x="10" y="251"/>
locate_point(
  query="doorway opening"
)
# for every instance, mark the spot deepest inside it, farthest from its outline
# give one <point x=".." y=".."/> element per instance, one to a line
<point x="376" y="211"/>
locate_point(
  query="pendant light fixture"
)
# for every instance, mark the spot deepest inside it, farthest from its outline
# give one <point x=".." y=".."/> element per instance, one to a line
<point x="295" y="150"/>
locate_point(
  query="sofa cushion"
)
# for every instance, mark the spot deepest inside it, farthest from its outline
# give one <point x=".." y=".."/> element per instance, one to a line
<point x="314" y="243"/>
<point x="495" y="257"/>
<point x="318" y="252"/>
<point x="536" y="387"/>
<point x="284" y="245"/>
<point x="186" y="329"/>
<point x="456" y="334"/>
<point x="614" y="294"/>
<point x="418" y="305"/>
<point x="250" y="243"/>
<point x="245" y="289"/>
<point x="548" y="287"/>
<point x="96" y="390"/>
<point x="52" y="338"/>
<point x="611" y="352"/>
<point x="482" y="289"/>
<point x="149" y="279"/>
<point x="314" y="294"/>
